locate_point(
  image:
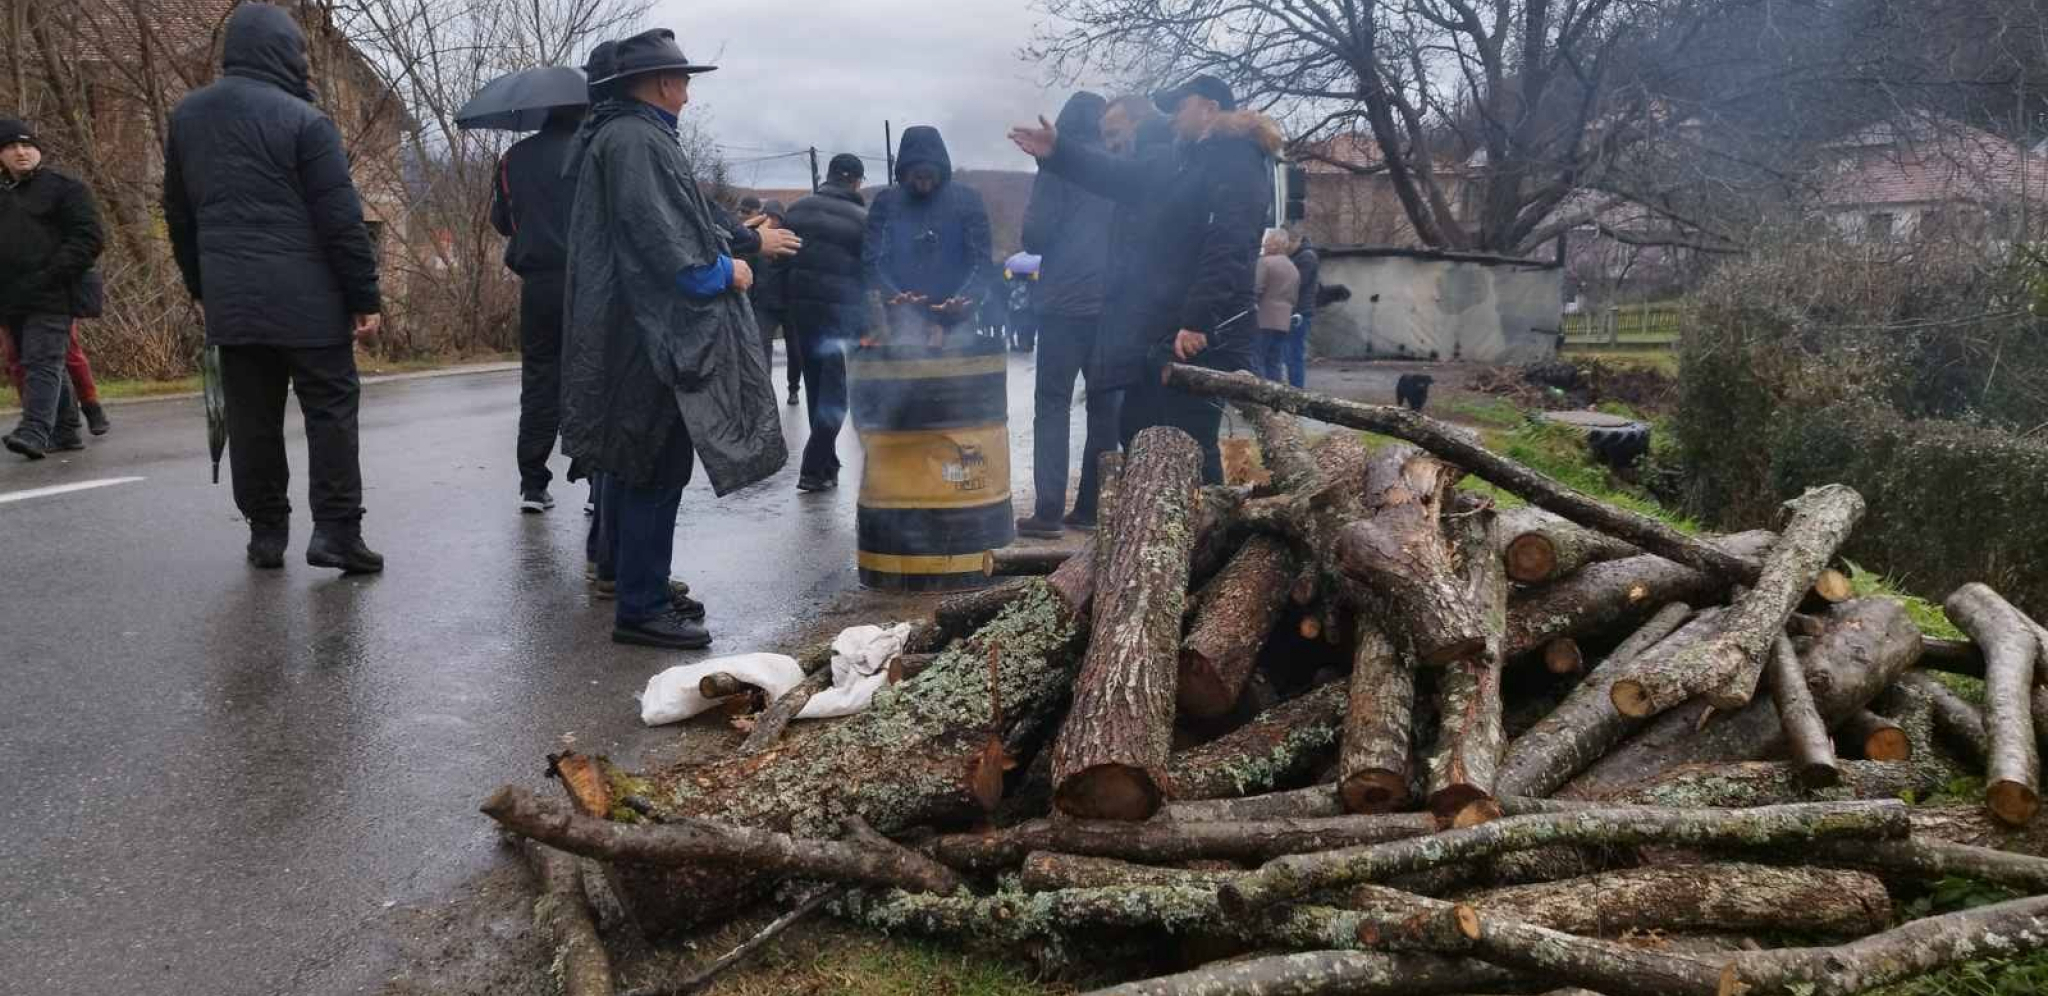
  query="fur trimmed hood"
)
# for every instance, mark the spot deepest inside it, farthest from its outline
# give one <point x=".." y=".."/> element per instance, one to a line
<point x="1252" y="126"/>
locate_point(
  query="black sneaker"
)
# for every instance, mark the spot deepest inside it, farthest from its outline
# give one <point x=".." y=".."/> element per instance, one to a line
<point x="16" y="444"/>
<point x="685" y="606"/>
<point x="342" y="548"/>
<point x="792" y="397"/>
<point x="1038" y="528"/>
<point x="267" y="546"/>
<point x="534" y="501"/>
<point x="96" y="419"/>
<point x="67" y="444"/>
<point x="1077" y="521"/>
<point x="664" y="632"/>
<point x="808" y="483"/>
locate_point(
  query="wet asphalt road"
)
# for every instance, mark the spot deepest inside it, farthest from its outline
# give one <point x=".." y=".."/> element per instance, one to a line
<point x="220" y="781"/>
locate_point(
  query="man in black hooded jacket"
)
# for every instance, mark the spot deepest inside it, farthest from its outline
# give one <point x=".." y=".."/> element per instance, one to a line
<point x="928" y="242"/>
<point x="826" y="298"/>
<point x="268" y="233"/>
<point x="530" y="207"/>
<point x="1203" y="213"/>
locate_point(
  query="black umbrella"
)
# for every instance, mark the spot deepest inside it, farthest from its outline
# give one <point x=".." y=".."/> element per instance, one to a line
<point x="216" y="405"/>
<point x="521" y="101"/>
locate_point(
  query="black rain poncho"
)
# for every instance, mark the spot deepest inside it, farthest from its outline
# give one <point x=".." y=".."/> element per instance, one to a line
<point x="639" y="359"/>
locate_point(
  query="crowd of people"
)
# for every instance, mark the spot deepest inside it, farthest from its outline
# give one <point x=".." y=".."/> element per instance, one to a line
<point x="648" y="311"/>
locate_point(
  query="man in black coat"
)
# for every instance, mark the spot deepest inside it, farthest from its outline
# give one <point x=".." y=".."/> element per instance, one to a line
<point x="51" y="237"/>
<point x="1068" y="228"/>
<point x="530" y="207"/>
<point x="268" y="232"/>
<point x="1204" y="214"/>
<point x="1310" y="266"/>
<point x="928" y="242"/>
<point x="826" y="297"/>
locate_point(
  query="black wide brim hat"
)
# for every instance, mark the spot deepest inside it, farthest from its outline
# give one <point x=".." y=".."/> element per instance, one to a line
<point x="653" y="51"/>
<point x="1168" y="101"/>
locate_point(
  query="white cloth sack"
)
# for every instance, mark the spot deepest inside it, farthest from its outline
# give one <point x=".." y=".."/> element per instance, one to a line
<point x="860" y="666"/>
<point x="672" y="695"/>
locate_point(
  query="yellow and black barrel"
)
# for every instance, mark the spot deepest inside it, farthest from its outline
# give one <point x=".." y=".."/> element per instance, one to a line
<point x="935" y="492"/>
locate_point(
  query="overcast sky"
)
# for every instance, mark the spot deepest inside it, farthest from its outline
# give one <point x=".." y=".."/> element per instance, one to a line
<point x="794" y="75"/>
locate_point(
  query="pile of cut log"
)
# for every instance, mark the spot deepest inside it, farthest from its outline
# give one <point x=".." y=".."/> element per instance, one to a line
<point x="1362" y="730"/>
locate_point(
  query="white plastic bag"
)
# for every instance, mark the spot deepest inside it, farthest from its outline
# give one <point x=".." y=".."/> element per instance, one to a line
<point x="672" y="695"/>
<point x="860" y="662"/>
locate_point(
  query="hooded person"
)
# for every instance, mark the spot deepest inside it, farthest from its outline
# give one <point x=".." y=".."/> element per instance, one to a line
<point x="268" y="232"/>
<point x="530" y="208"/>
<point x="826" y="308"/>
<point x="928" y="246"/>
<point x="1201" y="212"/>
<point x="47" y="282"/>
<point x="661" y="361"/>
<point x="1068" y="228"/>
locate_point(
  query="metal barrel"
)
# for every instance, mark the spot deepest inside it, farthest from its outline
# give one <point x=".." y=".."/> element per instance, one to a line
<point x="935" y="490"/>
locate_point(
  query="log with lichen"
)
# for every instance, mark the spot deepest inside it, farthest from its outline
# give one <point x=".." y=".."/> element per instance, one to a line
<point x="1278" y="747"/>
<point x="1616" y="596"/>
<point x="1160" y="841"/>
<point x="2013" y="760"/>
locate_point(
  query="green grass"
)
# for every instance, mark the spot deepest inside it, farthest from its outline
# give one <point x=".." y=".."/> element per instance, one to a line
<point x="1560" y="452"/>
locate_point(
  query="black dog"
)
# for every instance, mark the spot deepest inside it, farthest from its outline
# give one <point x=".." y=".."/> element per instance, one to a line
<point x="1413" y="390"/>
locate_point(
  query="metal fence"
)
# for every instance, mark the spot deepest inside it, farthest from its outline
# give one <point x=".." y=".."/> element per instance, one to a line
<point x="1654" y="325"/>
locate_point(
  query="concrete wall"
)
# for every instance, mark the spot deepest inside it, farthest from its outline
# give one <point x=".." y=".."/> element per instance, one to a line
<point x="1414" y="304"/>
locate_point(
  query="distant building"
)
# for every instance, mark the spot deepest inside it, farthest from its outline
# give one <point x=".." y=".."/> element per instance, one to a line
<point x="1928" y="178"/>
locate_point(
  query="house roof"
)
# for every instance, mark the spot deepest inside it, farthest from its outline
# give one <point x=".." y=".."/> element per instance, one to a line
<point x="1349" y="153"/>
<point x="1931" y="160"/>
<point x="180" y="26"/>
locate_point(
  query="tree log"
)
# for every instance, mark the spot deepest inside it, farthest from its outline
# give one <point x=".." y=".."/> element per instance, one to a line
<point x="1726" y="668"/>
<point x="2010" y="645"/>
<point x="1585" y="726"/>
<point x="1464" y="450"/>
<point x="1743" y="784"/>
<point x="1539" y="547"/>
<point x="1109" y="760"/>
<point x="1045" y="871"/>
<point x="1913" y="949"/>
<point x="1465" y="762"/>
<point x="1806" y="735"/>
<point x="1953" y="656"/>
<point x="1331" y="973"/>
<point x="1238" y="609"/>
<point x="563" y="913"/>
<point x="1959" y="724"/>
<point x="1830" y="587"/>
<point x="1869" y="641"/>
<point x="1025" y="561"/>
<point x="1735" y="898"/>
<point x="1874" y="738"/>
<point x="958" y="616"/>
<point x="1615" y="596"/>
<point x="1280" y="745"/>
<point x="1303" y="803"/>
<point x="1298" y="875"/>
<point x="1162" y="842"/>
<point x="865" y="861"/>
<point x="1562" y="657"/>
<point x="1399" y="550"/>
<point x="1372" y="769"/>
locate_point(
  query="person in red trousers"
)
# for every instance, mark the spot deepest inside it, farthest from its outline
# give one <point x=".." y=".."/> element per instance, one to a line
<point x="80" y="370"/>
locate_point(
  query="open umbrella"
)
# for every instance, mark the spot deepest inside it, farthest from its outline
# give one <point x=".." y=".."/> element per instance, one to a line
<point x="216" y="405"/>
<point x="521" y="101"/>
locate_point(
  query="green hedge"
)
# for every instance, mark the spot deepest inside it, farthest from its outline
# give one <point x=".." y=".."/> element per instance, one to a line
<point x="1949" y="503"/>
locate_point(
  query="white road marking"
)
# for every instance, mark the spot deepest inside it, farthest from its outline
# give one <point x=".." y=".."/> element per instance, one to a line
<point x="64" y="489"/>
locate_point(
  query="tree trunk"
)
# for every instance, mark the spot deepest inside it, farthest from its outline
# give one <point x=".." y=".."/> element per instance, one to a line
<point x="1869" y="642"/>
<point x="1874" y="738"/>
<point x="1959" y="724"/>
<point x="1953" y="656"/>
<point x="1727" y="667"/>
<point x="1304" y="803"/>
<point x="1913" y="949"/>
<point x="1464" y="450"/>
<point x="1690" y="899"/>
<point x="1399" y="551"/>
<point x="1584" y="727"/>
<point x="1045" y="871"/>
<point x="1277" y="746"/>
<point x="1806" y="735"/>
<point x="1465" y="763"/>
<point x="1931" y="861"/>
<point x="2013" y="768"/>
<point x="1773" y="826"/>
<point x="1026" y="561"/>
<point x="563" y="913"/>
<point x="1333" y="973"/>
<point x="1743" y="784"/>
<point x="1373" y="769"/>
<point x="1163" y="842"/>
<point x="958" y="616"/>
<point x="1238" y="609"/>
<point x="1540" y="547"/>
<point x="1109" y="761"/>
<point x="872" y="861"/>
<point x="1615" y="596"/>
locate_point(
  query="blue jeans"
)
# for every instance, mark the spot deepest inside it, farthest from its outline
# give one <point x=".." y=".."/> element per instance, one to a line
<point x="1272" y="356"/>
<point x="824" y="365"/>
<point x="1064" y="344"/>
<point x="598" y="544"/>
<point x="639" y="521"/>
<point x="1297" y="351"/>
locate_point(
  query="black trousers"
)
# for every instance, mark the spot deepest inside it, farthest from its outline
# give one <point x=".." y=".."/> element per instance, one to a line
<point x="49" y="408"/>
<point x="1064" y="344"/>
<point x="825" y="402"/>
<point x="540" y="375"/>
<point x="1149" y="402"/>
<point x="770" y="320"/>
<point x="255" y="378"/>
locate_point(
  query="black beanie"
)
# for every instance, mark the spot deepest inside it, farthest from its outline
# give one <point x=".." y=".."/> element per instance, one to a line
<point x="12" y="131"/>
<point x="847" y="165"/>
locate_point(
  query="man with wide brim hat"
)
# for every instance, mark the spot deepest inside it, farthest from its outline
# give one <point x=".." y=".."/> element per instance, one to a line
<point x="660" y="356"/>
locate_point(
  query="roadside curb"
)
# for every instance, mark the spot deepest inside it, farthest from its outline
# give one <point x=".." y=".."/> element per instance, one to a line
<point x="372" y="380"/>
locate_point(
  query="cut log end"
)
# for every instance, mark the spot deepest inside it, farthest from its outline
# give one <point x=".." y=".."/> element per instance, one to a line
<point x="1464" y="806"/>
<point x="1889" y="744"/>
<point x="1468" y="921"/>
<point x="1731" y="982"/>
<point x="1833" y="587"/>
<point x="1477" y="812"/>
<point x="1631" y="699"/>
<point x="1110" y="792"/>
<point x="1311" y="627"/>
<point x="1531" y="558"/>
<point x="1375" y="792"/>
<point x="1563" y="657"/>
<point x="2014" y="803"/>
